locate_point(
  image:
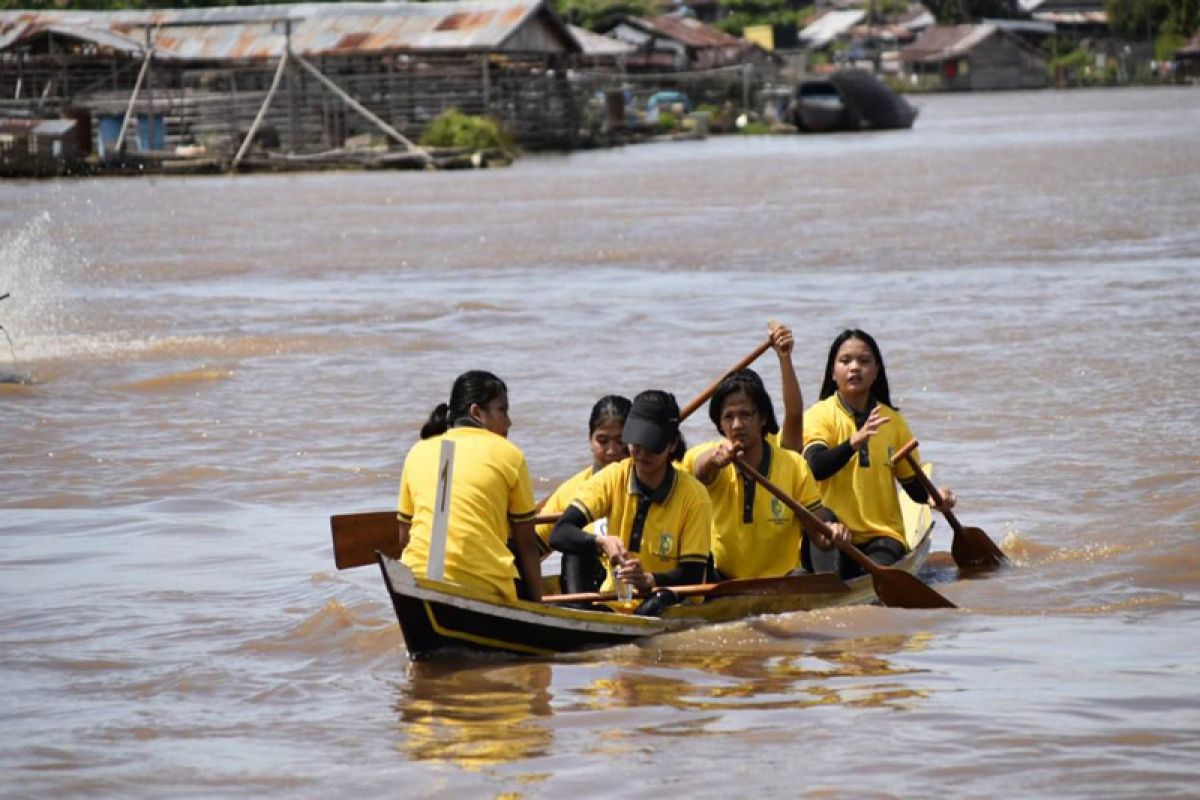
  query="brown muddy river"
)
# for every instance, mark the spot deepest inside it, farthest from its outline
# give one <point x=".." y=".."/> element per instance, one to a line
<point x="198" y="372"/>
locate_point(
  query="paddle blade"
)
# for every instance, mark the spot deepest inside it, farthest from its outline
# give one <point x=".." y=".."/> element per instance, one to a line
<point x="973" y="548"/>
<point x="898" y="589"/>
<point x="356" y="537"/>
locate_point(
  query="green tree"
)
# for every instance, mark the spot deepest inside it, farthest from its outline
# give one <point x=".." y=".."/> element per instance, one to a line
<point x="592" y="14"/>
<point x="957" y="12"/>
<point x="1142" y="19"/>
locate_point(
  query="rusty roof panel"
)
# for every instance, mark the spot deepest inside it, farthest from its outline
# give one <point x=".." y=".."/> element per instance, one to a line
<point x="943" y="42"/>
<point x="229" y="32"/>
<point x="688" y="31"/>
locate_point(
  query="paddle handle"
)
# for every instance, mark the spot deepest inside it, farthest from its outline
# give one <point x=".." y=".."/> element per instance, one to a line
<point x="809" y="519"/>
<point x="906" y="454"/>
<point x="704" y="396"/>
<point x="603" y="597"/>
<point x="903" y="452"/>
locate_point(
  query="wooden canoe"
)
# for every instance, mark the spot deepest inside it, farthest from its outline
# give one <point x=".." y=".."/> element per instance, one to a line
<point x="442" y="620"/>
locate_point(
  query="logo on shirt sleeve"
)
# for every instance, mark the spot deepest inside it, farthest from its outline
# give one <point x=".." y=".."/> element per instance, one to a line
<point x="666" y="545"/>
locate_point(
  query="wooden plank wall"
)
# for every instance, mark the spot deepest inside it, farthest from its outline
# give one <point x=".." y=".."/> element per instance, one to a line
<point x="215" y="104"/>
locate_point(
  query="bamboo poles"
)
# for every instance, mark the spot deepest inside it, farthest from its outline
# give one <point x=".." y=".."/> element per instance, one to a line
<point x="363" y="110"/>
<point x="262" y="111"/>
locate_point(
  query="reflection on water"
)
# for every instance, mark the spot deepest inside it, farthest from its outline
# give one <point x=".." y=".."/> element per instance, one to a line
<point x="483" y="715"/>
<point x="476" y="716"/>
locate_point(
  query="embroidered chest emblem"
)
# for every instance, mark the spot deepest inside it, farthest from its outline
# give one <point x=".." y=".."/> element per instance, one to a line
<point x="776" y="509"/>
<point x="666" y="545"/>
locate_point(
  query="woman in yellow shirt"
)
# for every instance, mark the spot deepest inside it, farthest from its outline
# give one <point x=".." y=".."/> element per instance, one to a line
<point x="754" y="535"/>
<point x="585" y="573"/>
<point x="490" y="494"/>
<point x="659" y="516"/>
<point x="850" y="435"/>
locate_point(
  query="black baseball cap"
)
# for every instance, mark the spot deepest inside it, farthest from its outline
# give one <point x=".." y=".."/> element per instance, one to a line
<point x="653" y="421"/>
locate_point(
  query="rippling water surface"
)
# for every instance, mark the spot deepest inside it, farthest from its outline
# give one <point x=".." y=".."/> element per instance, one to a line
<point x="198" y="372"/>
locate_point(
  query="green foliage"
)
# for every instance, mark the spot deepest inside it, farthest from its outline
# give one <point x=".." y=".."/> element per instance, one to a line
<point x="452" y="128"/>
<point x="956" y="12"/>
<point x="666" y="121"/>
<point x="1143" y="19"/>
<point x="1074" y="60"/>
<point x="592" y="14"/>
<point x="741" y="13"/>
<point x="755" y="127"/>
<point x="1165" y="45"/>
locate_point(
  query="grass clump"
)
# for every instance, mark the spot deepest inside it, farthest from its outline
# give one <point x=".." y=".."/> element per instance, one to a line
<point x="452" y="128"/>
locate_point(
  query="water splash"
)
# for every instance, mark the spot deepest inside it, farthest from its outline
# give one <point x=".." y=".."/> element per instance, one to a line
<point x="35" y="260"/>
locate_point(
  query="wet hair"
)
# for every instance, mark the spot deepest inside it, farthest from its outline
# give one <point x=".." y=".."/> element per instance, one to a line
<point x="610" y="408"/>
<point x="748" y="382"/>
<point x="879" y="389"/>
<point x="474" y="387"/>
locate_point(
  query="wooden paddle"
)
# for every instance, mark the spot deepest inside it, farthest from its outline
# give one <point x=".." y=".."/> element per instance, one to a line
<point x="356" y="537"/>
<point x="704" y="396"/>
<point x="823" y="583"/>
<point x="971" y="547"/>
<point x="893" y="587"/>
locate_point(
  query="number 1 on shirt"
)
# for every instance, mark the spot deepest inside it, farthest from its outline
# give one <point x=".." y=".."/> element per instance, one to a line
<point x="441" y="513"/>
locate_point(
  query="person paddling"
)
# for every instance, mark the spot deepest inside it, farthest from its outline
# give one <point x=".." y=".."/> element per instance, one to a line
<point x="850" y="435"/>
<point x="754" y="535"/>
<point x="659" y="516"/>
<point x="490" y="494"/>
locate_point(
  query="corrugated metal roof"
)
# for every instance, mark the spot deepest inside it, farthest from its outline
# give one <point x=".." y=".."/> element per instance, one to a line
<point x="594" y="44"/>
<point x="317" y="28"/>
<point x="943" y="42"/>
<point x="54" y="127"/>
<point x="1073" y="17"/>
<point x="829" y="26"/>
<point x="686" y="30"/>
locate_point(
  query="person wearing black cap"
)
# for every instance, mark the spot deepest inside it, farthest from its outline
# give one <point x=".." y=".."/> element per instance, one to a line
<point x="659" y="517"/>
<point x="754" y="535"/>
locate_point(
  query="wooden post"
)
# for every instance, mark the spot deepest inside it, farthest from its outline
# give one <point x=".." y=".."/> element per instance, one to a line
<point x="293" y="99"/>
<point x="487" y="83"/>
<point x="137" y="87"/>
<point x="361" y="109"/>
<point x="262" y="112"/>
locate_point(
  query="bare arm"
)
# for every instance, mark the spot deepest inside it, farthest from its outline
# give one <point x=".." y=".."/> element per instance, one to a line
<point x="791" y="432"/>
<point x="711" y="462"/>
<point x="529" y="565"/>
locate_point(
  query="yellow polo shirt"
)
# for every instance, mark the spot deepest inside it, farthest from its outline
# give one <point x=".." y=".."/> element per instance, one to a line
<point x="677" y="523"/>
<point x="557" y="503"/>
<point x="865" y="498"/>
<point x="489" y="489"/>
<point x="759" y="538"/>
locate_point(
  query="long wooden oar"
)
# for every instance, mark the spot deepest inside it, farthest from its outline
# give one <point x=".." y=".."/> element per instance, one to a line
<point x="356" y="537"/>
<point x="704" y="396"/>
<point x="971" y="547"/>
<point x="822" y="583"/>
<point x="893" y="587"/>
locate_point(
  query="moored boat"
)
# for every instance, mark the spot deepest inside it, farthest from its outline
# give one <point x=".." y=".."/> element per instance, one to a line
<point x="850" y="100"/>
<point x="439" y="619"/>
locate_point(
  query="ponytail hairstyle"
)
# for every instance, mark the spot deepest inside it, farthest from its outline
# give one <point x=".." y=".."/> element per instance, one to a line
<point x="610" y="408"/>
<point x="879" y="389"/>
<point x="476" y="387"/>
<point x="748" y="382"/>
